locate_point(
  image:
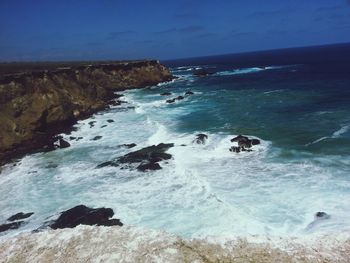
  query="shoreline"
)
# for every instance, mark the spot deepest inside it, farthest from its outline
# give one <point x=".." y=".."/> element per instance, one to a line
<point x="37" y="104"/>
<point x="136" y="244"/>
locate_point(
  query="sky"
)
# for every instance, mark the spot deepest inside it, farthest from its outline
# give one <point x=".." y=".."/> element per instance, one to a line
<point x="45" y="30"/>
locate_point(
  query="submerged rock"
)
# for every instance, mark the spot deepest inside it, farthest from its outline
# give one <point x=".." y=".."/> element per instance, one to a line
<point x="110" y="120"/>
<point x="19" y="216"/>
<point x="202" y="73"/>
<point x="166" y="94"/>
<point x="83" y="215"/>
<point x="201" y="138"/>
<point x="180" y="98"/>
<point x="170" y="101"/>
<point x="321" y="216"/>
<point x="188" y="93"/>
<point x="14" y="225"/>
<point x="128" y="145"/>
<point x="92" y="123"/>
<point x="96" y="138"/>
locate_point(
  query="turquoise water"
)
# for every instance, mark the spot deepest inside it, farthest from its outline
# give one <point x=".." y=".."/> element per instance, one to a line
<point x="299" y="112"/>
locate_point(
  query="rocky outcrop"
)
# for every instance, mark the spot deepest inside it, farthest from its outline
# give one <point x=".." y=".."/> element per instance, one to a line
<point x="37" y="103"/>
<point x="244" y="144"/>
<point x="83" y="215"/>
<point x="146" y="158"/>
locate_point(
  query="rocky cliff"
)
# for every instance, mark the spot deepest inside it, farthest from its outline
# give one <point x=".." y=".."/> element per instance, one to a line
<point x="35" y="104"/>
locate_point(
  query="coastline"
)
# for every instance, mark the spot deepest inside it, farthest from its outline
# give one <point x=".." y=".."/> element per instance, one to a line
<point x="40" y="100"/>
<point x="136" y="244"/>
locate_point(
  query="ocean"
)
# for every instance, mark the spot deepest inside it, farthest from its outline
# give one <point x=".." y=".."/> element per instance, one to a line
<point x="295" y="101"/>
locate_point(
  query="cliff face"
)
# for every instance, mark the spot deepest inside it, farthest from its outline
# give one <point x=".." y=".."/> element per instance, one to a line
<point x="38" y="103"/>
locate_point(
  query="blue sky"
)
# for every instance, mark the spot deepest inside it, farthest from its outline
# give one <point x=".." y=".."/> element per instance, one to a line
<point x="132" y="29"/>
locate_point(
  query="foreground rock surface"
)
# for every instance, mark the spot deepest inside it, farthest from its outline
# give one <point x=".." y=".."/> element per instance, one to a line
<point x="133" y="244"/>
<point x="38" y="100"/>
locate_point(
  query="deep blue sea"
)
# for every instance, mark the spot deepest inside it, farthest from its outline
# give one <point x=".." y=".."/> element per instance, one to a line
<point x="296" y="101"/>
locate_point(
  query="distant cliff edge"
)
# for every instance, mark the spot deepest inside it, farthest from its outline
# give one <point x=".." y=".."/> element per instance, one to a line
<point x="39" y="100"/>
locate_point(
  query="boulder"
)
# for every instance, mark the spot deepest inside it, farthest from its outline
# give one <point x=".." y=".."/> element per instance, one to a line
<point x="63" y="143"/>
<point x="188" y="93"/>
<point x="170" y="101"/>
<point x="244" y="144"/>
<point x="19" y="216"/>
<point x="110" y="120"/>
<point x="82" y="215"/>
<point x="201" y="138"/>
<point x="321" y="216"/>
<point x="149" y="166"/>
<point x="180" y="98"/>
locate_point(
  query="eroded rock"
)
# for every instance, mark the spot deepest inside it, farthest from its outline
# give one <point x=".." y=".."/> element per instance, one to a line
<point x="147" y="158"/>
<point x="83" y="215"/>
<point x="19" y="216"/>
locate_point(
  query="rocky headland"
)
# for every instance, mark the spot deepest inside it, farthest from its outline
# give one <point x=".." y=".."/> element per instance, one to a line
<point x="39" y="100"/>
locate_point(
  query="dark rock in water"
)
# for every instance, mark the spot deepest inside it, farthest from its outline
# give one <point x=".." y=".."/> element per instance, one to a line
<point x="63" y="143"/>
<point x="72" y="138"/>
<point x="239" y="138"/>
<point x="166" y="94"/>
<point x="180" y="98"/>
<point x="82" y="215"/>
<point x="109" y="163"/>
<point x="110" y="120"/>
<point x="19" y="216"/>
<point x="255" y="141"/>
<point x="103" y="126"/>
<point x="235" y="149"/>
<point x="51" y="165"/>
<point x="147" y="158"/>
<point x="92" y="123"/>
<point x="79" y="138"/>
<point x="114" y="102"/>
<point x="202" y="73"/>
<point x="117" y="96"/>
<point x="14" y="225"/>
<point x="188" y="93"/>
<point x="322" y="216"/>
<point x="130" y="145"/>
<point x="149" y="166"/>
<point x="147" y="154"/>
<point x="96" y="138"/>
<point x="170" y="101"/>
<point x="201" y="138"/>
<point x="244" y="143"/>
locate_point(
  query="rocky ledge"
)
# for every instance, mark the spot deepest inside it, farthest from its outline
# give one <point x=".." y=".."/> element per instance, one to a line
<point x="39" y="100"/>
